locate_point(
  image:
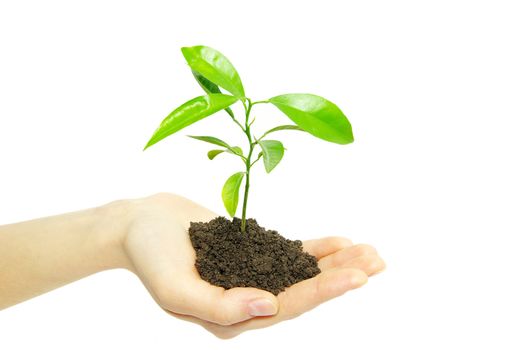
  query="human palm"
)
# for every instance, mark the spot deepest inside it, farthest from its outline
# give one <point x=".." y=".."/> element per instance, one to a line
<point x="161" y="254"/>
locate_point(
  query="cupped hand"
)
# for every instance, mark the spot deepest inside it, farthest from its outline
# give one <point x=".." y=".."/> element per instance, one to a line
<point x="160" y="253"/>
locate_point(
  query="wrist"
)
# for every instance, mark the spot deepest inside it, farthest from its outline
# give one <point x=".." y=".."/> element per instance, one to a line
<point x="112" y="224"/>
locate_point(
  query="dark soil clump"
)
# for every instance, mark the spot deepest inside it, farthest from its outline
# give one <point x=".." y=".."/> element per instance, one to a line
<point x="259" y="258"/>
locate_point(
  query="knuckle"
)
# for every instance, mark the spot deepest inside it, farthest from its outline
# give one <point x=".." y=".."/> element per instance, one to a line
<point x="221" y="317"/>
<point x="165" y="295"/>
<point x="340" y="241"/>
<point x="364" y="249"/>
<point x="224" y="333"/>
<point x="161" y="195"/>
<point x="377" y="265"/>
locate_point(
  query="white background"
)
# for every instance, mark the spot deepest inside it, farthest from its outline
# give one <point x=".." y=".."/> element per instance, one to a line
<point x="434" y="93"/>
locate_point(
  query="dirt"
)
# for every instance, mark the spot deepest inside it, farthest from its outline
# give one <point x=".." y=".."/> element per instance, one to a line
<point x="258" y="258"/>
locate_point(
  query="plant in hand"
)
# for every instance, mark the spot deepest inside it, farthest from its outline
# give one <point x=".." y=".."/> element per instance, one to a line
<point x="239" y="252"/>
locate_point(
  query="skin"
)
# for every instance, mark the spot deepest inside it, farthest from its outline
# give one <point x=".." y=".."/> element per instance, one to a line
<point x="148" y="237"/>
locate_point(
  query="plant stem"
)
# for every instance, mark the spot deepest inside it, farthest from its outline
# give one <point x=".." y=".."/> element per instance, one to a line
<point x="247" y="105"/>
<point x="257" y="159"/>
<point x="245" y="196"/>
<point x="255" y="103"/>
<point x="237" y="122"/>
<point x="248" y="163"/>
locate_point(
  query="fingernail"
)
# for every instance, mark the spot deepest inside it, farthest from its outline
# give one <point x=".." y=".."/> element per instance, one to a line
<point x="261" y="307"/>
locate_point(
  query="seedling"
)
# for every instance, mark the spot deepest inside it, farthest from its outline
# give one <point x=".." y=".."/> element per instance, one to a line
<point x="212" y="70"/>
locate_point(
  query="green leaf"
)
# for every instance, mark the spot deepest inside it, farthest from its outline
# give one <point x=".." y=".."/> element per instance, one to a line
<point x="210" y="88"/>
<point x="216" y="141"/>
<point x="231" y="192"/>
<point x="211" y="139"/>
<point x="272" y="153"/>
<point x="236" y="150"/>
<point x="189" y="113"/>
<point x="282" y="127"/>
<point x="316" y="115"/>
<point x="215" y="67"/>
<point x="207" y="85"/>
<point x="233" y="150"/>
<point x="213" y="153"/>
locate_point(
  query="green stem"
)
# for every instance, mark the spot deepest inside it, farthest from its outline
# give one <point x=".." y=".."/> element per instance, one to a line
<point x="255" y="103"/>
<point x="247" y="105"/>
<point x="237" y="122"/>
<point x="248" y="163"/>
<point x="245" y="196"/>
<point x="257" y="159"/>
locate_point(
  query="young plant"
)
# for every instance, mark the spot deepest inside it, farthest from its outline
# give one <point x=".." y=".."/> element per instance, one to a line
<point x="212" y="70"/>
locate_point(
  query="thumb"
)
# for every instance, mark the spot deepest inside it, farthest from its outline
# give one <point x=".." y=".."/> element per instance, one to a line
<point x="225" y="307"/>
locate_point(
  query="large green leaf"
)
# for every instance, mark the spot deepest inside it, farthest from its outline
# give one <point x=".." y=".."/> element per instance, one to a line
<point x="231" y="192"/>
<point x="207" y="85"/>
<point x="215" y="67"/>
<point x="272" y="153"/>
<point x="316" y="115"/>
<point x="189" y="113"/>
<point x="210" y="88"/>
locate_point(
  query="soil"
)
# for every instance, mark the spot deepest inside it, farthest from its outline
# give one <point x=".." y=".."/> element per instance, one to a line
<point x="258" y="258"/>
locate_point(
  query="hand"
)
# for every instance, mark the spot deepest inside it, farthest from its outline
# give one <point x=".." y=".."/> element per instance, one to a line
<point x="160" y="253"/>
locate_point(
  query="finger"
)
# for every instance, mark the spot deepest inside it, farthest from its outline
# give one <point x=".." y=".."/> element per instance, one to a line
<point x="214" y="304"/>
<point x="325" y="246"/>
<point x="371" y="264"/>
<point x="222" y="332"/>
<point x="339" y="258"/>
<point x="296" y="300"/>
<point x="308" y="294"/>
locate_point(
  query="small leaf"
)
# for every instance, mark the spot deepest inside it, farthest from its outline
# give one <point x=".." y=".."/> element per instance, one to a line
<point x="231" y="192"/>
<point x="211" y="139"/>
<point x="189" y="113"/>
<point x="272" y="153"/>
<point x="216" y="141"/>
<point x="215" y="67"/>
<point x="285" y="127"/>
<point x="316" y="115"/>
<point x="210" y="88"/>
<point x="213" y="153"/>
<point x="282" y="127"/>
<point x="233" y="150"/>
<point x="236" y="150"/>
